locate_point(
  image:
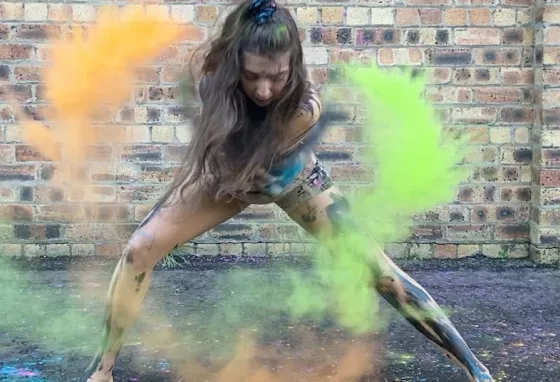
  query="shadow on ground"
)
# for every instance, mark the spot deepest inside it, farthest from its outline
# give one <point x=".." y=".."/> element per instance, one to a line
<point x="507" y="311"/>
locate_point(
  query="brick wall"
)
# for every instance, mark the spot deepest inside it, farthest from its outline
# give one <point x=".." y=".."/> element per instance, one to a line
<point x="492" y="71"/>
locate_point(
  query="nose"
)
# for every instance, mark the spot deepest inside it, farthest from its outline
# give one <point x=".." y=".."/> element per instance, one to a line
<point x="264" y="90"/>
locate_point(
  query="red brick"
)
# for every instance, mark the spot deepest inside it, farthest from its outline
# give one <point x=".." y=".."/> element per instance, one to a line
<point x="347" y="55"/>
<point x="377" y="36"/>
<point x="7" y="154"/>
<point x="498" y="56"/>
<point x="431" y="16"/>
<point x="497" y="95"/>
<point x="15" y="52"/>
<point x="516" y="76"/>
<point x="386" y="56"/>
<point x="455" y="17"/>
<point x="549" y="178"/>
<point x="17" y="172"/>
<point x="427" y="232"/>
<point x="445" y="251"/>
<point x="61" y="212"/>
<point x="407" y="16"/>
<point x="480" y="16"/>
<point x="25" y="153"/>
<point x="17" y="93"/>
<point x="27" y="73"/>
<point x="109" y="213"/>
<point x="516" y="115"/>
<point x="35" y="31"/>
<point x="513" y="232"/>
<point x="193" y="33"/>
<point x="15" y="212"/>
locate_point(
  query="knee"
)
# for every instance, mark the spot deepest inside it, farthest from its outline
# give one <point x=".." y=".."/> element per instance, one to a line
<point x="137" y="252"/>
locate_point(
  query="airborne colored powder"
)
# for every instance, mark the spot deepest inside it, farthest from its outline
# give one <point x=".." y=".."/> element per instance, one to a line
<point x="415" y="164"/>
<point x="89" y="73"/>
<point x="92" y="73"/>
<point x="416" y="168"/>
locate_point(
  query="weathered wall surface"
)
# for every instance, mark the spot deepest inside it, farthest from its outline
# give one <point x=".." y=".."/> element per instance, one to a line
<point x="492" y="67"/>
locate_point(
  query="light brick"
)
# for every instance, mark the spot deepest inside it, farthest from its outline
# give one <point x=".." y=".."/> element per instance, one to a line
<point x="467" y="250"/>
<point x="183" y="13"/>
<point x="382" y="16"/>
<point x="316" y="55"/>
<point x="57" y="250"/>
<point x="11" y="11"/>
<point x="477" y="36"/>
<point x="551" y="55"/>
<point x="332" y="15"/>
<point x="160" y="11"/>
<point x="10" y="250"/>
<point x="83" y="12"/>
<point x="500" y="135"/>
<point x="552" y="35"/>
<point x="307" y="16"/>
<point x="551" y="14"/>
<point x="82" y="250"/>
<point x="60" y="12"/>
<point x="163" y="134"/>
<point x="35" y="11"/>
<point x="357" y="16"/>
<point x="504" y="16"/>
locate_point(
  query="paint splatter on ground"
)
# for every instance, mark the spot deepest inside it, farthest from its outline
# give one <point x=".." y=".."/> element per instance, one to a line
<point x="508" y="312"/>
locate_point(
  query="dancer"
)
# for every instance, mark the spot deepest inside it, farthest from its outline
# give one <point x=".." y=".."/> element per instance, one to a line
<point x="253" y="145"/>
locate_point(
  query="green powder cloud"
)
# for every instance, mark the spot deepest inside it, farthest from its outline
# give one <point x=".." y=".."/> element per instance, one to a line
<point x="416" y="168"/>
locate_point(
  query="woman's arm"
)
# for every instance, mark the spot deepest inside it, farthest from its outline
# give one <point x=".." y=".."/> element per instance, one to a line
<point x="301" y="127"/>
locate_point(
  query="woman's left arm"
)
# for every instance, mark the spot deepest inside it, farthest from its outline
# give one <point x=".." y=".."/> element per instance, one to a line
<point x="302" y="124"/>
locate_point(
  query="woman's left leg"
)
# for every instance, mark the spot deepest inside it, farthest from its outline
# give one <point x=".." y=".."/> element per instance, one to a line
<point x="318" y="206"/>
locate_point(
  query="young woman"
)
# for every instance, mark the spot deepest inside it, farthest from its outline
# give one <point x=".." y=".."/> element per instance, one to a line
<point x="253" y="145"/>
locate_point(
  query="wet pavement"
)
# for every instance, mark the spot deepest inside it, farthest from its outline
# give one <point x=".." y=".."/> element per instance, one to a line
<point x="50" y="314"/>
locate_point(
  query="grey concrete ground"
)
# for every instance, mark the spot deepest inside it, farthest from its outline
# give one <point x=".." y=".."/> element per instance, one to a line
<point x="508" y="312"/>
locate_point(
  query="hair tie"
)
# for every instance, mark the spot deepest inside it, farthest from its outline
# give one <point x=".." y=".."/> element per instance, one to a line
<point x="262" y="10"/>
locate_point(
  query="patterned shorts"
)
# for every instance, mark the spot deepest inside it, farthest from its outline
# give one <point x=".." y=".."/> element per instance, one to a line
<point x="312" y="181"/>
<point x="309" y="182"/>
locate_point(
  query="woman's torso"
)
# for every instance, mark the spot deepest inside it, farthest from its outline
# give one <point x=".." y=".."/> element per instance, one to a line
<point x="292" y="164"/>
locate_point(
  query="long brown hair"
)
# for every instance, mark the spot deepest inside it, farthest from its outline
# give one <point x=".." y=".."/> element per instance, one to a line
<point x="226" y="149"/>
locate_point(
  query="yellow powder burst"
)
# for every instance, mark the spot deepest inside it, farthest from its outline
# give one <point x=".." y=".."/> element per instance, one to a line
<point x="91" y="73"/>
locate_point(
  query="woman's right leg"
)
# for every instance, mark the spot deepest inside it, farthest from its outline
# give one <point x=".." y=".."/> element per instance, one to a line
<point x="160" y="232"/>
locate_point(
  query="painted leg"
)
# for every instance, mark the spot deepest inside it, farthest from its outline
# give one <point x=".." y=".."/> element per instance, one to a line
<point x="161" y="231"/>
<point x="322" y="214"/>
<point x="420" y="309"/>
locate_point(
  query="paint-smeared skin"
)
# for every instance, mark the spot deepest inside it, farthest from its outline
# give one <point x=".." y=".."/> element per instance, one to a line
<point x="419" y="308"/>
<point x="414" y="303"/>
<point x="133" y="282"/>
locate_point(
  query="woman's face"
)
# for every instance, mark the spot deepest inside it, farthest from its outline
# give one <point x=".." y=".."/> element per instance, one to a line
<point x="264" y="78"/>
